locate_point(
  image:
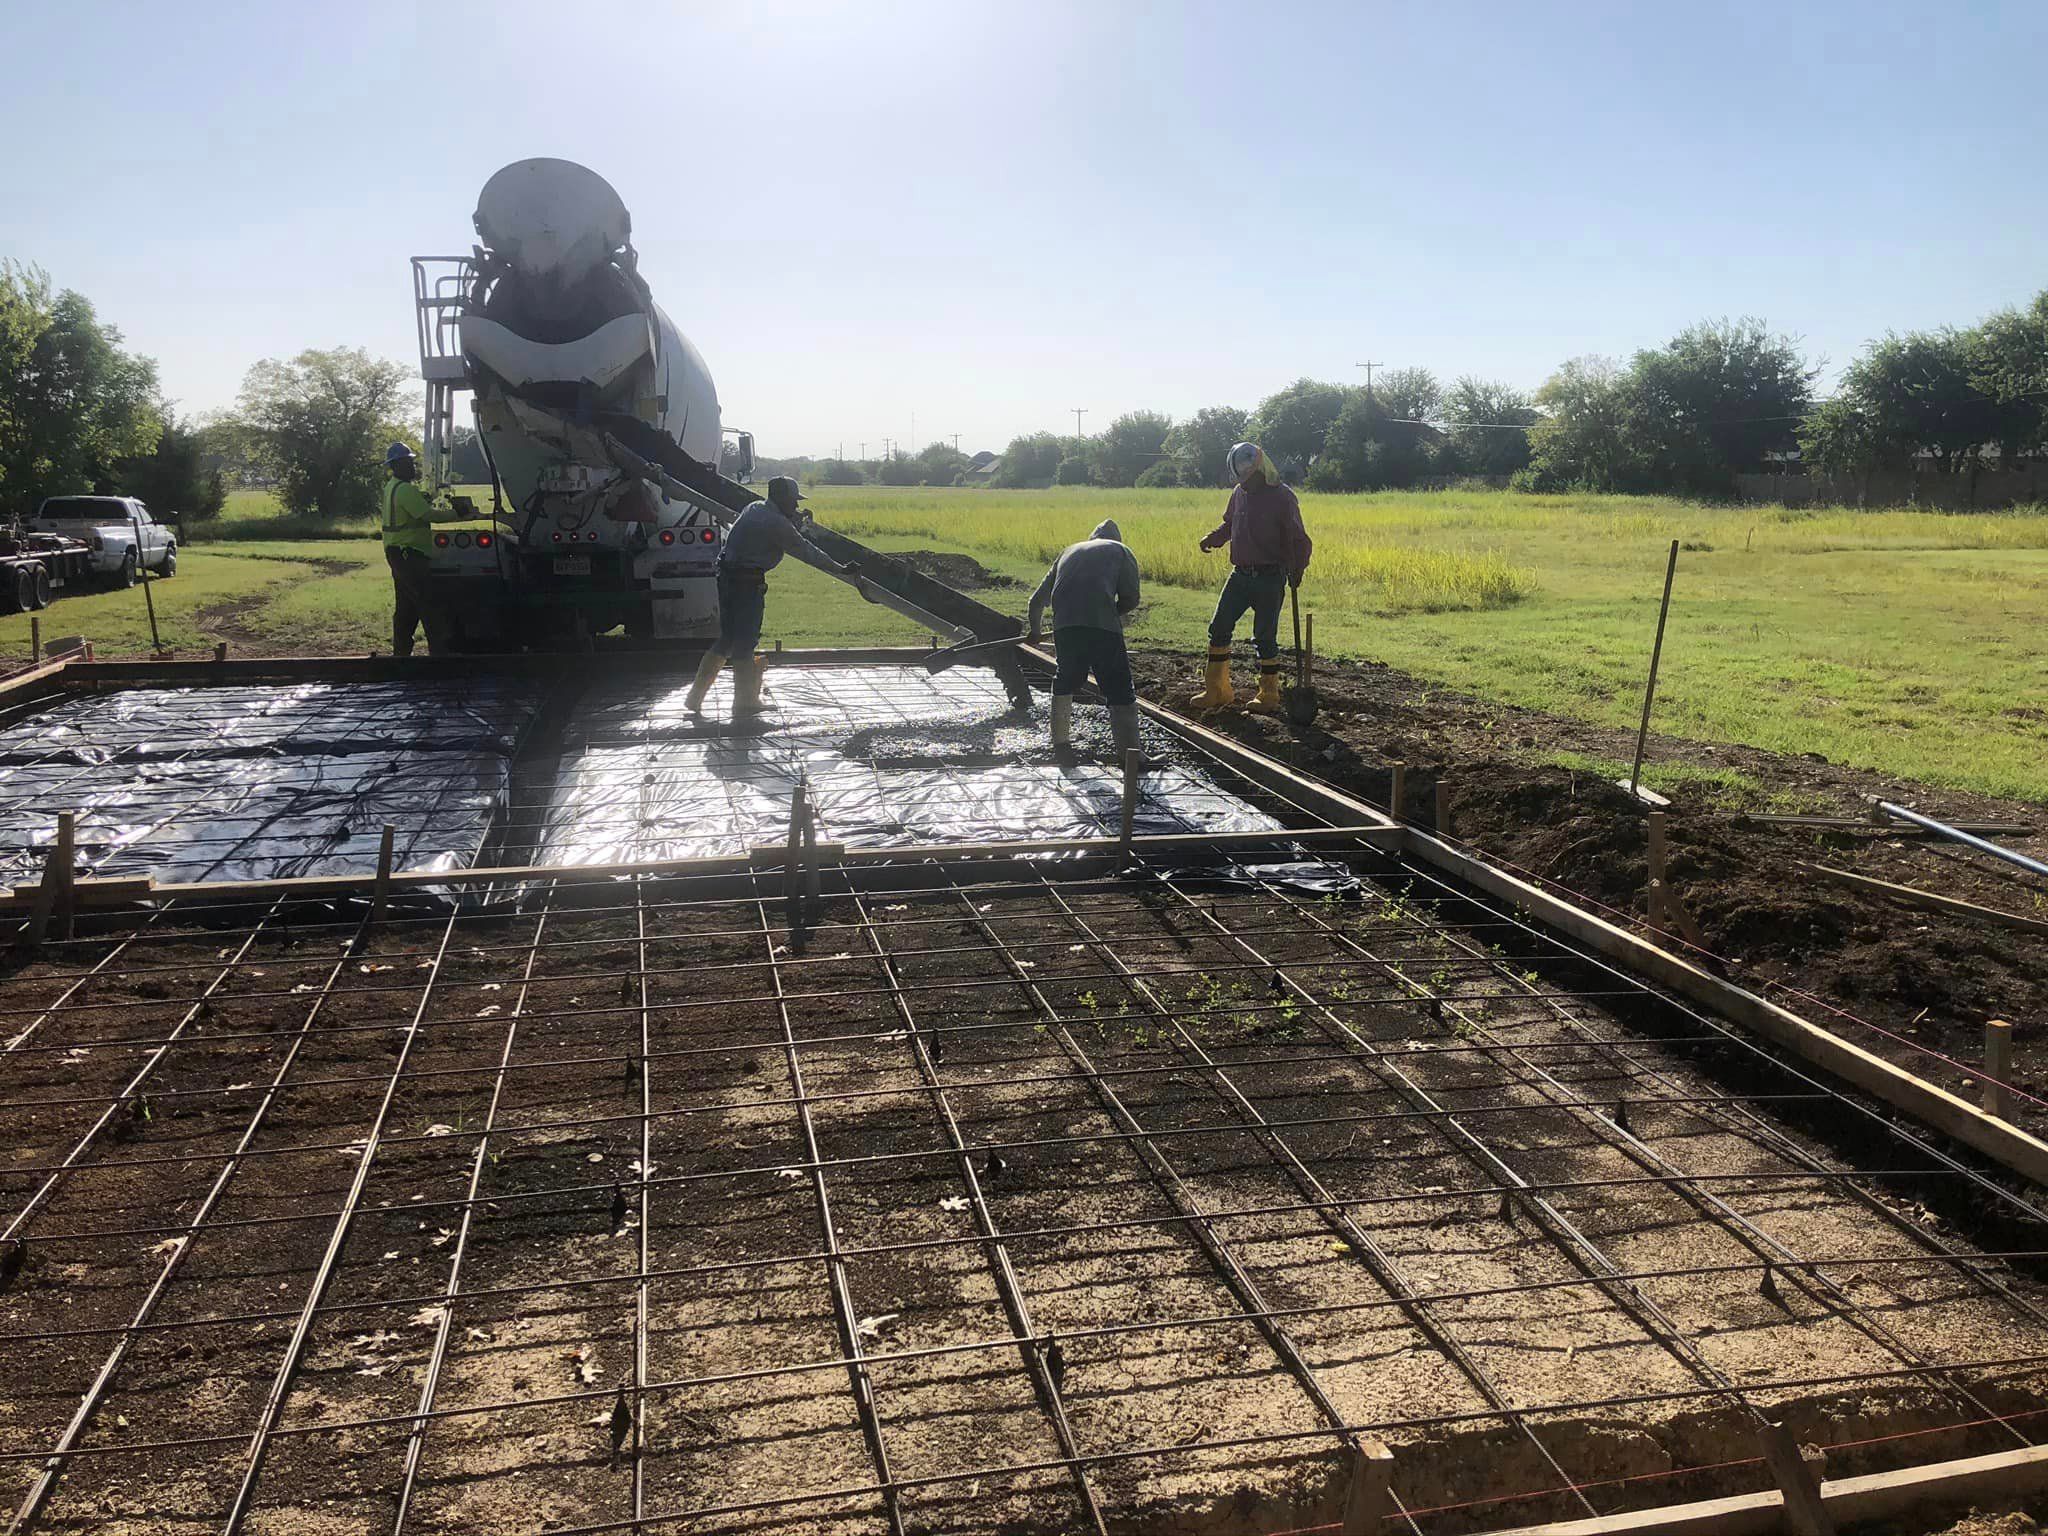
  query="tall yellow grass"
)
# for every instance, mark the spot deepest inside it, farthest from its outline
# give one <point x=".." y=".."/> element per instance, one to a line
<point x="1364" y="561"/>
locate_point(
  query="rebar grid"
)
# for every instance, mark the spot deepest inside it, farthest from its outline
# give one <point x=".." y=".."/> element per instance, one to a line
<point x="505" y="1122"/>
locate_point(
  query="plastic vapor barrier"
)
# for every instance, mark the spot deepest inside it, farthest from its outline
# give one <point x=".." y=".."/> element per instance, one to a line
<point x="895" y="757"/>
<point x="261" y="781"/>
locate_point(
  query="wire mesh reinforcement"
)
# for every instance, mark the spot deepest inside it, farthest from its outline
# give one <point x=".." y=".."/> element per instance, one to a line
<point x="992" y="1199"/>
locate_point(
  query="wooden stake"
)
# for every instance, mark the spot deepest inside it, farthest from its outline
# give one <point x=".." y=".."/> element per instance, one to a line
<point x="1653" y="830"/>
<point x="38" y="927"/>
<point x="1134" y="767"/>
<point x="1308" y="660"/>
<point x="1397" y="794"/>
<point x="66" y="856"/>
<point x="1997" y="1068"/>
<point x="35" y="638"/>
<point x="1443" y="807"/>
<point x="220" y="650"/>
<point x="383" y="886"/>
<point x="1369" y="1495"/>
<point x="792" y="868"/>
<point x="1805" y="1514"/>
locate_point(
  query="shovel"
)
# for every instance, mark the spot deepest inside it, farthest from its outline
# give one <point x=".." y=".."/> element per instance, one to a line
<point x="1301" y="698"/>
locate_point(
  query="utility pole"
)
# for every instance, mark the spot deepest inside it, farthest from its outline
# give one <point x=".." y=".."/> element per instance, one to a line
<point x="863" y="450"/>
<point x="956" y="442"/>
<point x="1368" y="367"/>
<point x="1079" y="412"/>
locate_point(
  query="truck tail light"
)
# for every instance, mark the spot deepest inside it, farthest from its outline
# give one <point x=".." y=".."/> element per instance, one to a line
<point x="483" y="541"/>
<point x="710" y="535"/>
<point x="462" y="541"/>
<point x="668" y="535"/>
<point x="440" y="541"/>
<point x="558" y="538"/>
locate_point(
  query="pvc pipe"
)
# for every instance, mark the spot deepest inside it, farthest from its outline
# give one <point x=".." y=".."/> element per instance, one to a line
<point x="1972" y="839"/>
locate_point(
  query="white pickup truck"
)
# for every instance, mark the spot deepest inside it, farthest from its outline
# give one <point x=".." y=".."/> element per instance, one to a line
<point x="122" y="535"/>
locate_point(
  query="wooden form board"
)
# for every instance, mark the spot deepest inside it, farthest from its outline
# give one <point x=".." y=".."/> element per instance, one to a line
<point x="1848" y="1501"/>
<point x="123" y="889"/>
<point x="2002" y="1142"/>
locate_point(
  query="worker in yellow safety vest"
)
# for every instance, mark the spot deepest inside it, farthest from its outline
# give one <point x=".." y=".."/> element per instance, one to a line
<point x="408" y="526"/>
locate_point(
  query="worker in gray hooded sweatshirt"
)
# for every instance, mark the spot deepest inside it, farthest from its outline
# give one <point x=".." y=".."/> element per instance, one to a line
<point x="1091" y="586"/>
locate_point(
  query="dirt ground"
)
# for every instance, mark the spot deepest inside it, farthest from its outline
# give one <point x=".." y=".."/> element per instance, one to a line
<point x="764" y="1128"/>
<point x="1926" y="980"/>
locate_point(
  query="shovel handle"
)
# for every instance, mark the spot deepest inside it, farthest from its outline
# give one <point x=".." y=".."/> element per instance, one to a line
<point x="1294" y="602"/>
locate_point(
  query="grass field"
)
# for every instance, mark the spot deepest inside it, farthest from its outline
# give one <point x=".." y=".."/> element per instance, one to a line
<point x="1909" y="643"/>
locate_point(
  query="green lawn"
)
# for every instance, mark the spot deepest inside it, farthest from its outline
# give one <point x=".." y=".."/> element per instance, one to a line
<point x="1908" y="643"/>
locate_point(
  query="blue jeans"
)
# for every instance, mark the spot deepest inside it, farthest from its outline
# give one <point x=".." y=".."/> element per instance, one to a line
<point x="1079" y="649"/>
<point x="1261" y="588"/>
<point x="742" y="604"/>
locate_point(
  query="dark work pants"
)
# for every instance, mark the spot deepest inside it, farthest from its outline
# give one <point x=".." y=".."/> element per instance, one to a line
<point x="742" y="607"/>
<point x="1261" y="588"/>
<point x="1079" y="649"/>
<point x="412" y="605"/>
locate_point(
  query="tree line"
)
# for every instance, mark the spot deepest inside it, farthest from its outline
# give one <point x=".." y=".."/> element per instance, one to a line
<point x="1721" y="398"/>
<point x="79" y="412"/>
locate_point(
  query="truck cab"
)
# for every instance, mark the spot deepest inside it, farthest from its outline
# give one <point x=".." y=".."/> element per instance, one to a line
<point x="123" y="535"/>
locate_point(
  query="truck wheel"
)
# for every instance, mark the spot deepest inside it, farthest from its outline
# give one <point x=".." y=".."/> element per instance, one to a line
<point x="170" y="567"/>
<point x="10" y="590"/>
<point x="41" y="583"/>
<point x="23" y="589"/>
<point x="126" y="577"/>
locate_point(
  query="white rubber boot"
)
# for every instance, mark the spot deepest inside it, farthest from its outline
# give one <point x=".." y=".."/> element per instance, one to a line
<point x="1062" y="722"/>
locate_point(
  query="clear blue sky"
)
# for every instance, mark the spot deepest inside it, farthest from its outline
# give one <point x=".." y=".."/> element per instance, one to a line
<point x="985" y="215"/>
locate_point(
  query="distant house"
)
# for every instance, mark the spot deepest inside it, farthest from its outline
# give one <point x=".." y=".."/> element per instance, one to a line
<point x="983" y="466"/>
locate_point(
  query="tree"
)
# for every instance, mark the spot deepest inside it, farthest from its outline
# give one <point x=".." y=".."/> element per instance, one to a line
<point x="466" y="462"/>
<point x="1408" y="394"/>
<point x="1586" y="439"/>
<point x="1161" y="475"/>
<point x="1841" y="437"/>
<point x="175" y="477"/>
<point x="72" y="402"/>
<point x="1714" y="400"/>
<point x="1485" y="418"/>
<point x="840" y="472"/>
<point x="2009" y="360"/>
<point x="1291" y="424"/>
<point x="1368" y="449"/>
<point x="1200" y="446"/>
<point x="899" y="468"/>
<point x="1073" y="471"/>
<point x="323" y="420"/>
<point x="1130" y="445"/>
<point x="1918" y="395"/>
<point x="1029" y="462"/>
<point x="942" y="464"/>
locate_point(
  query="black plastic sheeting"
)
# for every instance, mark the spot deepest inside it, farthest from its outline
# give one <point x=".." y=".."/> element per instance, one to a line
<point x="262" y="781"/>
<point x="895" y="757"/>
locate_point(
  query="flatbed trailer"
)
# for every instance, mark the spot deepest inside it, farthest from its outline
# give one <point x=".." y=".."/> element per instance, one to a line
<point x="34" y="567"/>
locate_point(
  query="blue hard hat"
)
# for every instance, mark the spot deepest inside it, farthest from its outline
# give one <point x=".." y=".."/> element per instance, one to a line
<point x="396" y="452"/>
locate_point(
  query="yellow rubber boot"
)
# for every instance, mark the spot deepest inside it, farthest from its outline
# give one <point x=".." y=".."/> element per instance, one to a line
<point x="1216" y="691"/>
<point x="1268" y="701"/>
<point x="707" y="674"/>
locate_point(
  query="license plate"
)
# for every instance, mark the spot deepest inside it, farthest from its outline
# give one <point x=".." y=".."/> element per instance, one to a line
<point x="572" y="565"/>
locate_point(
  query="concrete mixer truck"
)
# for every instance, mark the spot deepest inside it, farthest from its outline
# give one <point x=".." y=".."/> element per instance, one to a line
<point x="600" y="426"/>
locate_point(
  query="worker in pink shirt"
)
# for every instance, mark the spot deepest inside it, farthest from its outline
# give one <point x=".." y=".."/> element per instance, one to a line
<point x="1269" y="552"/>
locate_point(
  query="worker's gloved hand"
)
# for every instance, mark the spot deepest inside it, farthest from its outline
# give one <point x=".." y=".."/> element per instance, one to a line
<point x="1036" y="637"/>
<point x="1205" y="546"/>
<point x="1294" y="581"/>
